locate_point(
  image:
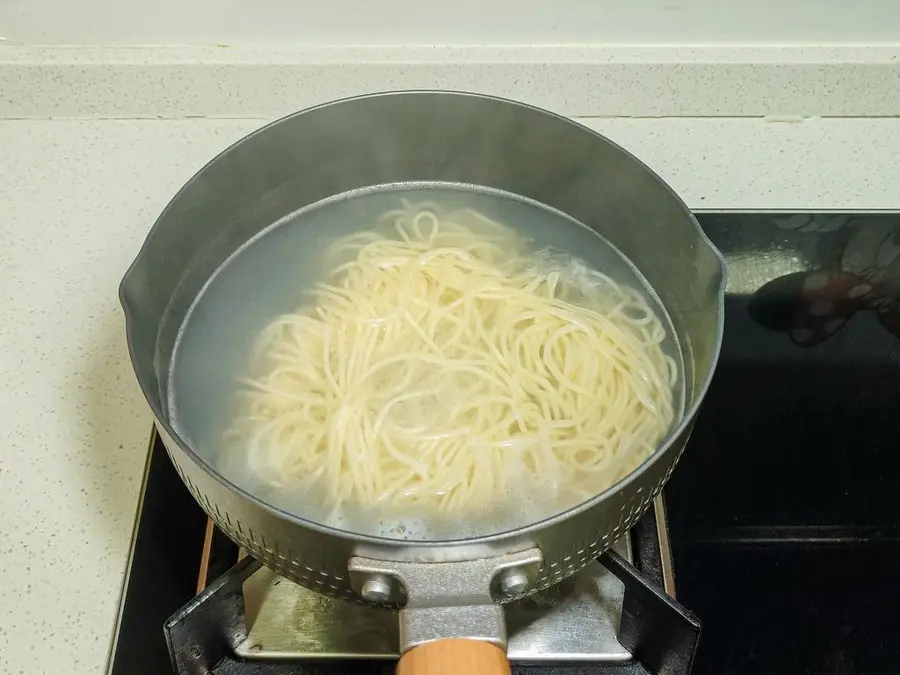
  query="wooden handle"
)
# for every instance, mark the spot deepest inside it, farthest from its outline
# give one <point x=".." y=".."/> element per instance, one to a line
<point x="454" y="656"/>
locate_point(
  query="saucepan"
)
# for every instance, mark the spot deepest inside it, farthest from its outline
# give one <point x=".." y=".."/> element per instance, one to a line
<point x="449" y="593"/>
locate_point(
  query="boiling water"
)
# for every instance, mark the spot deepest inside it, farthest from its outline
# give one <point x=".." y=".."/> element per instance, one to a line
<point x="270" y="276"/>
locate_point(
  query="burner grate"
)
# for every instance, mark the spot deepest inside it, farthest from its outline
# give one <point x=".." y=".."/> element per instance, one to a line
<point x="576" y="620"/>
<point x="610" y="618"/>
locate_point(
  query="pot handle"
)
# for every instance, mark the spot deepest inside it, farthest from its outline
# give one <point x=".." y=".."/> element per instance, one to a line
<point x="454" y="656"/>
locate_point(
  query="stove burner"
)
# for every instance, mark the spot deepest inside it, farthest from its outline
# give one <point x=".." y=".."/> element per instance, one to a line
<point x="603" y="615"/>
<point x="576" y="620"/>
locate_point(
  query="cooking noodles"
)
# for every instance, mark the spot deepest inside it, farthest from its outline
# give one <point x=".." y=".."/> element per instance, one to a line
<point x="474" y="439"/>
<point x="447" y="368"/>
<point x="444" y="368"/>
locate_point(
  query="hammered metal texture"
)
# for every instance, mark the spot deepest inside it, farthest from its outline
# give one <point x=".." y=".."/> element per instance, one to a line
<point x="304" y="569"/>
<point x="318" y="561"/>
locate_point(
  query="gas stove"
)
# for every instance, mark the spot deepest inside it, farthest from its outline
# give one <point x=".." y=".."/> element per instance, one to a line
<point x="244" y="618"/>
<point x="576" y="620"/>
<point x="780" y="521"/>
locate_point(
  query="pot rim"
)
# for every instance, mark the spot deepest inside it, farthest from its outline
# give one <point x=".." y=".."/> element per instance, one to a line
<point x="686" y="420"/>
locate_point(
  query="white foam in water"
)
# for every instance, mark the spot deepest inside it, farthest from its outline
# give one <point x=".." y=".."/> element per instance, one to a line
<point x="270" y="276"/>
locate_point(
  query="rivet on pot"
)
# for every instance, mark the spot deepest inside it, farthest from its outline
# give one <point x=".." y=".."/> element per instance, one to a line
<point x="513" y="582"/>
<point x="377" y="588"/>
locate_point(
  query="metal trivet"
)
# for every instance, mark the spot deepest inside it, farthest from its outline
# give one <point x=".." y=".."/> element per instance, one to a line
<point x="605" y="615"/>
<point x="576" y="620"/>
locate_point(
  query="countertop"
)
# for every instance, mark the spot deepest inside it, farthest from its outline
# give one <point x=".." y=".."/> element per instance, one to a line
<point x="77" y="199"/>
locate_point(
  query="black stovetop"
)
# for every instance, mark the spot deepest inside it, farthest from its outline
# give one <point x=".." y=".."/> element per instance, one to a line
<point x="785" y="529"/>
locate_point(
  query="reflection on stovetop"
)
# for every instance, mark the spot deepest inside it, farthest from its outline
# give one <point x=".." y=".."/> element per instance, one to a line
<point x="785" y="531"/>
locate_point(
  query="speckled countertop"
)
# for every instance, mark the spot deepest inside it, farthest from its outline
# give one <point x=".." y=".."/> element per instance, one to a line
<point x="78" y="198"/>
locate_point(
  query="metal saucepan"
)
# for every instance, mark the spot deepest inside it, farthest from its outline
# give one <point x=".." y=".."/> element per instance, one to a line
<point x="447" y="589"/>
